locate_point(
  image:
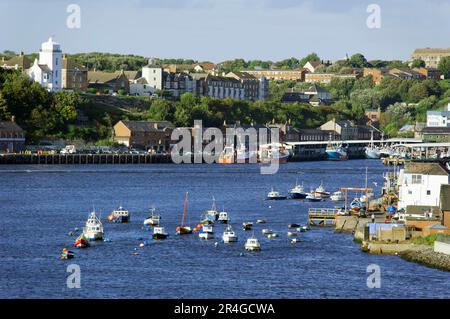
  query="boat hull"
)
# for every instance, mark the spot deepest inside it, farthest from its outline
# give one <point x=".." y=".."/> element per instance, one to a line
<point x="297" y="195"/>
<point x="373" y="154"/>
<point x="276" y="198"/>
<point x="206" y="236"/>
<point x="93" y="236"/>
<point x="229" y="239"/>
<point x="159" y="236"/>
<point x="119" y="219"/>
<point x="336" y="156"/>
<point x="183" y="230"/>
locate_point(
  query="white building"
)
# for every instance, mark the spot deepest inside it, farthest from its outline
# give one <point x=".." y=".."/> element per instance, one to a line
<point x="153" y="74"/>
<point x="47" y="70"/>
<point x="439" y="118"/>
<point x="420" y="184"/>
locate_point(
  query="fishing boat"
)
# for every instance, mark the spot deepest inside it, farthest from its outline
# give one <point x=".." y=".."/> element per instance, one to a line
<point x="247" y="226"/>
<point x="337" y="196"/>
<point x="81" y="242"/>
<point x="94" y="228"/>
<point x="372" y="151"/>
<point x="252" y="244"/>
<point x="229" y="236"/>
<point x="320" y="191"/>
<point x="207" y="232"/>
<point x="159" y="233"/>
<point x="313" y="197"/>
<point x="336" y="152"/>
<point x="213" y="213"/>
<point x="223" y="218"/>
<point x="182" y="229"/>
<point x="119" y="215"/>
<point x="297" y="192"/>
<point x="153" y="219"/>
<point x="274" y="152"/>
<point x="67" y="254"/>
<point x="273" y="195"/>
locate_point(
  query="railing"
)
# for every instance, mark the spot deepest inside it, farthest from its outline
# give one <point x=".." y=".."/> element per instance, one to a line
<point x="324" y="211"/>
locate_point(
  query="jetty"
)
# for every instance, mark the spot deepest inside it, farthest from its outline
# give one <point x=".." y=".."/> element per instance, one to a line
<point x="322" y="216"/>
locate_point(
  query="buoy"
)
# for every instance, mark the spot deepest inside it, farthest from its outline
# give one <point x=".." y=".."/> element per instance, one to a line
<point x="141" y="245"/>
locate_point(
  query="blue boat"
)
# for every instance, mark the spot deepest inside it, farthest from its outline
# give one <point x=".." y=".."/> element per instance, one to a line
<point x="297" y="192"/>
<point x="336" y="152"/>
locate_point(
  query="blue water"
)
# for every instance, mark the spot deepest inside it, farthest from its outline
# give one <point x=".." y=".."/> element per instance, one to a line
<point x="41" y="204"/>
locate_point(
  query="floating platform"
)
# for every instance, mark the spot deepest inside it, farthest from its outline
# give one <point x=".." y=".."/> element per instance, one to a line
<point x="322" y="216"/>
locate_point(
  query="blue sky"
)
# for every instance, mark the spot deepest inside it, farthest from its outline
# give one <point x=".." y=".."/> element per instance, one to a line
<point x="217" y="30"/>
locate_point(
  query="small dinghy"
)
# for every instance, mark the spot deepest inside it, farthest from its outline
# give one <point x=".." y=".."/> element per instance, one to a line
<point x="159" y="233"/>
<point x="247" y="226"/>
<point x="67" y="254"/>
<point x="293" y="225"/>
<point x="261" y="221"/>
<point x="81" y="242"/>
<point x="272" y="235"/>
<point x="266" y="231"/>
<point x="292" y="234"/>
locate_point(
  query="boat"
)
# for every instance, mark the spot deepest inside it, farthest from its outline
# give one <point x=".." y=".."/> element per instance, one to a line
<point x="207" y="232"/>
<point x="292" y="233"/>
<point x="297" y="192"/>
<point x="273" y="195"/>
<point x="267" y="232"/>
<point x="335" y="151"/>
<point x="252" y="244"/>
<point x="313" y="197"/>
<point x="229" y="236"/>
<point x="272" y="235"/>
<point x="153" y="219"/>
<point x="227" y="156"/>
<point x="261" y="221"/>
<point x="119" y="215"/>
<point x="213" y="213"/>
<point x="355" y="205"/>
<point x="223" y="218"/>
<point x="94" y="228"/>
<point x="372" y="152"/>
<point x="337" y="196"/>
<point x="159" y="233"/>
<point x="247" y="226"/>
<point x="320" y="191"/>
<point x="182" y="229"/>
<point x="293" y="225"/>
<point x="81" y="242"/>
<point x="67" y="254"/>
<point x="274" y="152"/>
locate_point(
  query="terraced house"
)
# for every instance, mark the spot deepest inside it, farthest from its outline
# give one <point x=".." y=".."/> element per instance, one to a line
<point x="12" y="137"/>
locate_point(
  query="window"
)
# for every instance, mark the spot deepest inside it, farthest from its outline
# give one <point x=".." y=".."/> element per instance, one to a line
<point x="428" y="192"/>
<point x="416" y="179"/>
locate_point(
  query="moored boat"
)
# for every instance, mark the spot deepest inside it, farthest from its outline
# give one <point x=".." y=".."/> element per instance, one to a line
<point x="212" y="214"/>
<point x="223" y="218"/>
<point x="94" y="228"/>
<point x="159" y="233"/>
<point x="207" y="232"/>
<point x="337" y="196"/>
<point x="252" y="244"/>
<point x="297" y="192"/>
<point x="81" y="242"/>
<point x="153" y="219"/>
<point x="182" y="229"/>
<point x="67" y="254"/>
<point x="336" y="152"/>
<point x="119" y="215"/>
<point x="320" y="191"/>
<point x="247" y="225"/>
<point x="313" y="197"/>
<point x="274" y="195"/>
<point x="229" y="236"/>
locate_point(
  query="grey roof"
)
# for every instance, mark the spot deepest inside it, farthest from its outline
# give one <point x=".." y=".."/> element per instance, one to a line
<point x="147" y="126"/>
<point x="10" y="127"/>
<point x="436" y="130"/>
<point x="445" y="197"/>
<point x="425" y="168"/>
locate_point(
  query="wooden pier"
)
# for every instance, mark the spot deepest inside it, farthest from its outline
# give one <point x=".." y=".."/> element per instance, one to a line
<point x="75" y="159"/>
<point x="322" y="216"/>
<point x="391" y="161"/>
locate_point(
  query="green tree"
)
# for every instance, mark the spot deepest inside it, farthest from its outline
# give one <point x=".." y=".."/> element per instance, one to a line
<point x="310" y="57"/>
<point x="358" y="61"/>
<point x="444" y="67"/>
<point x="418" y="63"/>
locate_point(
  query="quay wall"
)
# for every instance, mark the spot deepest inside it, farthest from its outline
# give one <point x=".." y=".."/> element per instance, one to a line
<point x="427" y="257"/>
<point x="442" y="247"/>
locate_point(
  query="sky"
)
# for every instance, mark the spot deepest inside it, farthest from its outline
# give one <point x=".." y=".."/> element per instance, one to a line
<point x="218" y="30"/>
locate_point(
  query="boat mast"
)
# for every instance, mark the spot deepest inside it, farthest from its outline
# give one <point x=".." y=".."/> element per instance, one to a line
<point x="184" y="210"/>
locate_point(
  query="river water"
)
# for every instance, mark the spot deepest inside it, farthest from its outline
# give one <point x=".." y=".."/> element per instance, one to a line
<point x="42" y="204"/>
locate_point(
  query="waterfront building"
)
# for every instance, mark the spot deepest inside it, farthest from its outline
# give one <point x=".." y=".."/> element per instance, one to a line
<point x="74" y="75"/>
<point x="147" y="135"/>
<point x="342" y="129"/>
<point x="47" y="69"/>
<point x="431" y="56"/>
<point x="12" y="137"/>
<point x="438" y="126"/>
<point x="108" y="81"/>
<point x="420" y="184"/>
<point x="19" y="62"/>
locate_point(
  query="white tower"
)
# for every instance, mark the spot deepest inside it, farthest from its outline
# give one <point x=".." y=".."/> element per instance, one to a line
<point x="153" y="73"/>
<point x="51" y="55"/>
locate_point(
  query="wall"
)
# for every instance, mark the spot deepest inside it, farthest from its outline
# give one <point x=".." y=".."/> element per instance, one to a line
<point x="416" y="194"/>
<point x="441" y="247"/>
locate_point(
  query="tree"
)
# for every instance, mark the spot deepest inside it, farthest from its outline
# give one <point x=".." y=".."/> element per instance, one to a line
<point x="159" y="110"/>
<point x="418" y="63"/>
<point x="310" y="57"/>
<point x="358" y="61"/>
<point x="444" y="67"/>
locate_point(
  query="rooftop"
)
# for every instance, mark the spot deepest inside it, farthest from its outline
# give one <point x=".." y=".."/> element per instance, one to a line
<point x="425" y="168"/>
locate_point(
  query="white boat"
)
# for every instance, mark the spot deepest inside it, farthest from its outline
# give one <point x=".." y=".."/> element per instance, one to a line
<point x="274" y="195"/>
<point x="252" y="244"/>
<point x="153" y="219"/>
<point x="223" y="218"/>
<point x="94" y="228"/>
<point x="362" y="199"/>
<point x="212" y="214"/>
<point x="313" y="197"/>
<point x="337" y="196"/>
<point x="207" y="232"/>
<point x="320" y="191"/>
<point x="297" y="192"/>
<point x="159" y="233"/>
<point x="229" y="236"/>
<point x="266" y="231"/>
<point x="372" y="152"/>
